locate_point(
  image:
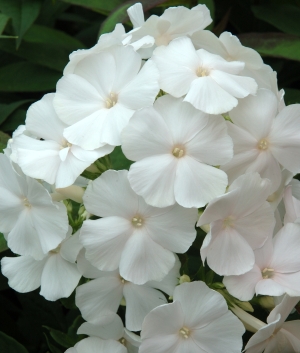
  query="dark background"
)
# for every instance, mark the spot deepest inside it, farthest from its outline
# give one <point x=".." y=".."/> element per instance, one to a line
<point x="36" y="38"/>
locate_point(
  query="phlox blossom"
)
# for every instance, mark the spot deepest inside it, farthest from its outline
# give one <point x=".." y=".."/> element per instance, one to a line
<point x="97" y="345"/>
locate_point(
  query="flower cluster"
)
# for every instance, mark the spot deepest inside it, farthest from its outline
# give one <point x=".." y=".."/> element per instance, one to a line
<point x="213" y="147"/>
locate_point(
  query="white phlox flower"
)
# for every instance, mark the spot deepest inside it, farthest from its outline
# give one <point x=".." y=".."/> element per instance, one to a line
<point x="277" y="336"/>
<point x="97" y="345"/>
<point x="237" y="227"/>
<point x="50" y="156"/>
<point x="264" y="141"/>
<point x="292" y="202"/>
<point x="131" y="235"/>
<point x="174" y="22"/>
<point x="276" y="270"/>
<point x="100" y="96"/>
<point x="33" y="224"/>
<point x="108" y="290"/>
<point x="190" y="324"/>
<point x="56" y="273"/>
<point x="175" y="147"/>
<point x="209" y="82"/>
<point x="110" y="326"/>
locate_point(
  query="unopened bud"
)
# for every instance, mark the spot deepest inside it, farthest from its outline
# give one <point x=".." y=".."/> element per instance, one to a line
<point x="184" y="278"/>
<point x="72" y="192"/>
<point x="123" y="302"/>
<point x="266" y="302"/>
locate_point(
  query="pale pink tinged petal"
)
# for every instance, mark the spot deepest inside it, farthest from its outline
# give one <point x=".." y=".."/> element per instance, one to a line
<point x="86" y="268"/>
<point x="238" y="86"/>
<point x="243" y="287"/>
<point x="87" y="132"/>
<point x="229" y="338"/>
<point x="211" y="145"/>
<point x="170" y="281"/>
<point x="256" y="114"/>
<point x="263" y="255"/>
<point x="153" y="178"/>
<point x="69" y="170"/>
<point x="182" y="119"/>
<point x="109" y="326"/>
<point x="260" y="338"/>
<point x="104" y="240"/>
<point x="136" y="14"/>
<point x="165" y="320"/>
<point x="243" y="141"/>
<point x="70" y="248"/>
<point x="99" y="297"/>
<point x="116" y="119"/>
<point x="269" y="287"/>
<point x="97" y="345"/>
<point x="284" y="138"/>
<point x="229" y="253"/>
<point x="142" y="90"/>
<point x="140" y="141"/>
<point x="219" y="208"/>
<point x="23" y="239"/>
<point x="291" y="330"/>
<point x="199" y="303"/>
<point x="161" y="344"/>
<point x="76" y="99"/>
<point x="196" y="183"/>
<point x="23" y="272"/>
<point x="253" y="188"/>
<point x="206" y="95"/>
<point x="239" y="164"/>
<point x="208" y="41"/>
<point x="144" y="260"/>
<point x="286" y="249"/>
<point x="189" y="345"/>
<point x="42" y="120"/>
<point x="283" y="309"/>
<point x="257" y="226"/>
<point x="174" y="229"/>
<point x="280" y="343"/>
<point x="290" y="282"/>
<point x="140" y="300"/>
<point x="99" y="70"/>
<point x="42" y="164"/>
<point x="59" y="278"/>
<point x="111" y="195"/>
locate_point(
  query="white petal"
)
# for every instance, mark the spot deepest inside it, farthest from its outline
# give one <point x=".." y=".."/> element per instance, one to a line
<point x="70" y="248"/>
<point x="85" y="267"/>
<point x="196" y="183"/>
<point x="99" y="297"/>
<point x="23" y="272"/>
<point x="269" y="287"/>
<point x="140" y="300"/>
<point x="59" y="278"/>
<point x="260" y="337"/>
<point x="284" y="308"/>
<point x="136" y="14"/>
<point x="210" y="42"/>
<point x="143" y="260"/>
<point x="97" y="345"/>
<point x="206" y="95"/>
<point x="140" y="141"/>
<point x="153" y="178"/>
<point x="104" y="240"/>
<point x="111" y="195"/>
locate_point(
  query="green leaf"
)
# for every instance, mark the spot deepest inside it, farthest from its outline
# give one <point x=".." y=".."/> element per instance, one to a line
<point x="61" y="338"/>
<point x="3" y="140"/>
<point x="284" y="17"/>
<point x="3" y="22"/>
<point x="277" y="45"/>
<point x="118" y="159"/>
<point x="39" y="53"/>
<point x="14" y="120"/>
<point x="3" y="243"/>
<point x="10" y="345"/>
<point x="7" y="109"/>
<point x="104" y="7"/>
<point x="22" y="12"/>
<point x="291" y="96"/>
<point x="46" y="35"/>
<point x="72" y="330"/>
<point x="52" y="348"/>
<point x="27" y="77"/>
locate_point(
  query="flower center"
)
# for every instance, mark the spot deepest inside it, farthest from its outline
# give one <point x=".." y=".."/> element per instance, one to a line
<point x="263" y="144"/>
<point x="185" y="332"/>
<point x="178" y="152"/>
<point x="122" y="341"/>
<point x="26" y="203"/>
<point x="111" y="100"/>
<point x="137" y="221"/>
<point x="267" y="273"/>
<point x="56" y="250"/>
<point x="122" y="280"/>
<point x="228" y="222"/>
<point x="201" y="72"/>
